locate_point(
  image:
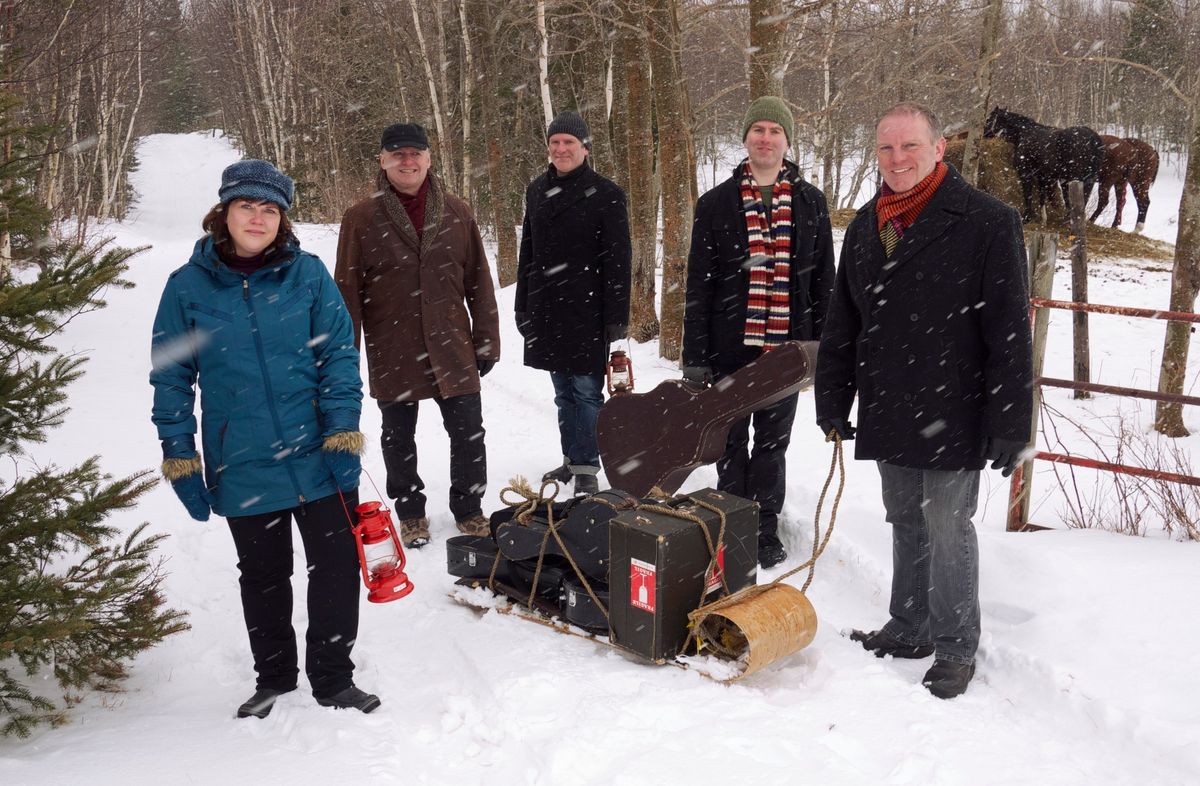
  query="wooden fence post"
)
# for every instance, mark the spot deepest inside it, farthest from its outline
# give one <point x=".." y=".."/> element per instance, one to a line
<point x="1042" y="248"/>
<point x="1079" y="294"/>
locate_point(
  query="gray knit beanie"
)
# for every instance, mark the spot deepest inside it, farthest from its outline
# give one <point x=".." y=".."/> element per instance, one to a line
<point x="569" y="122"/>
<point x="769" y="108"/>
<point x="256" y="180"/>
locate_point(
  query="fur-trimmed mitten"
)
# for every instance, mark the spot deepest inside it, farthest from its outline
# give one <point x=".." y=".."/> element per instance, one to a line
<point x="186" y="476"/>
<point x="343" y="458"/>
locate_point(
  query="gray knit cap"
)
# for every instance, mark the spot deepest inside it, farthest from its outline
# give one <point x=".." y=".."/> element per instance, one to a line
<point x="256" y="180"/>
<point x="769" y="108"/>
<point x="569" y="122"/>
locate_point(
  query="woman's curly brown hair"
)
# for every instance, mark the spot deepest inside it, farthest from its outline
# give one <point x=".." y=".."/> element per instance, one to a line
<point x="214" y="224"/>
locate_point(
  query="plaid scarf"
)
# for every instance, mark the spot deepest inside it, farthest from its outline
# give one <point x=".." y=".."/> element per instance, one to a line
<point x="895" y="213"/>
<point x="435" y="200"/>
<point x="768" y="305"/>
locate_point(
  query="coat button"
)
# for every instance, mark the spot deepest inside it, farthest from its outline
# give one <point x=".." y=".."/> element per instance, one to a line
<point x="920" y="276"/>
<point x="913" y="317"/>
<point x="908" y="396"/>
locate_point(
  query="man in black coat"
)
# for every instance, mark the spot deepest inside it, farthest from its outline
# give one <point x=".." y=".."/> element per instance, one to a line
<point x="572" y="296"/>
<point x="929" y="326"/>
<point x="760" y="271"/>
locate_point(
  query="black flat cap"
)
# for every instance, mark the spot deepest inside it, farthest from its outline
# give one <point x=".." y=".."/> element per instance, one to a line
<point x="404" y="135"/>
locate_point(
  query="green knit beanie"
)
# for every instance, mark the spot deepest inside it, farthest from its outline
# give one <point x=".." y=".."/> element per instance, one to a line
<point x="769" y="108"/>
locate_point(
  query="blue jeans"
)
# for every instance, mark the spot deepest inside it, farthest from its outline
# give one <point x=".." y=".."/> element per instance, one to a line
<point x="578" y="398"/>
<point x="935" y="559"/>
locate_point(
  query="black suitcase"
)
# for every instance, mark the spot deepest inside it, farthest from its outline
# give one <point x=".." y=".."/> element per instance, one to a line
<point x="582" y="523"/>
<point x="579" y="609"/>
<point x="520" y="573"/>
<point x="471" y="557"/>
<point x="657" y="574"/>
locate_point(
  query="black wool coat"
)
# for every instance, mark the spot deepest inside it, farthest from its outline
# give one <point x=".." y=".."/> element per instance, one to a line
<point x="718" y="274"/>
<point x="934" y="341"/>
<point x="574" y="269"/>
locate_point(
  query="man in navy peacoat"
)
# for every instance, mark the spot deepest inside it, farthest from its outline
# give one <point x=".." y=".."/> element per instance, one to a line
<point x="929" y="328"/>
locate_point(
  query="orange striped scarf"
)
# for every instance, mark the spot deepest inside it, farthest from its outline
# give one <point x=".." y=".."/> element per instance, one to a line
<point x="901" y="210"/>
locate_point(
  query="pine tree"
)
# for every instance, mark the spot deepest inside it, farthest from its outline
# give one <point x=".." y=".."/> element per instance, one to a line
<point x="77" y="600"/>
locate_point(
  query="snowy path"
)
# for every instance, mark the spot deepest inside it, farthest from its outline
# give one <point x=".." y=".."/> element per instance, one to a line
<point x="1089" y="668"/>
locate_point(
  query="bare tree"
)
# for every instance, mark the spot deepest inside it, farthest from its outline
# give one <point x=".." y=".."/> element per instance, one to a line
<point x="676" y="165"/>
<point x="639" y="148"/>
<point x="768" y="29"/>
<point x="988" y="52"/>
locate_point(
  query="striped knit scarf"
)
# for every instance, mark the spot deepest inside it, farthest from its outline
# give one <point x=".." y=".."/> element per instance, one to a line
<point x="768" y="306"/>
<point x="894" y="213"/>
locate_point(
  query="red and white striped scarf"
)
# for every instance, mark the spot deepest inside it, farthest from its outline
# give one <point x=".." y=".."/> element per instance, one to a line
<point x="768" y="306"/>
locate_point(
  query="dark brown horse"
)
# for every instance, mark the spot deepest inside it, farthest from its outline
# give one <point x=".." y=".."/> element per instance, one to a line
<point x="1045" y="156"/>
<point x="1127" y="162"/>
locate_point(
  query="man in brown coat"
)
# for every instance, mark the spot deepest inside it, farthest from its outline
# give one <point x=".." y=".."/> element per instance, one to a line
<point x="411" y="267"/>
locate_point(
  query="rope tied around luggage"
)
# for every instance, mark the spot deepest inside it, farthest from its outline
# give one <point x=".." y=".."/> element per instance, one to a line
<point x="721" y="638"/>
<point x="527" y="504"/>
<point x="714" y="549"/>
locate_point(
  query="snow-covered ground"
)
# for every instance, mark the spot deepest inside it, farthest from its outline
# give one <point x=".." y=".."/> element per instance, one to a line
<point x="1089" y="667"/>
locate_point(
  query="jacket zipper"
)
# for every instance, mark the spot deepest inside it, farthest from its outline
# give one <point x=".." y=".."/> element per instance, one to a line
<point x="262" y="364"/>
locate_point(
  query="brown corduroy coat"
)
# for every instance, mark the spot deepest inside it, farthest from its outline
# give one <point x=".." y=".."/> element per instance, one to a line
<point x="427" y="307"/>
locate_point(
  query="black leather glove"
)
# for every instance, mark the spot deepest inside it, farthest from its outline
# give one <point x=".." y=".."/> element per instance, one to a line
<point x="615" y="332"/>
<point x="484" y="366"/>
<point x="701" y="374"/>
<point x="840" y="425"/>
<point x="524" y="327"/>
<point x="1005" y="454"/>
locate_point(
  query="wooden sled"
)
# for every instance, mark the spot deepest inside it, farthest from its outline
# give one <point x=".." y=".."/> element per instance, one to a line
<point x="475" y="595"/>
<point x="656" y="439"/>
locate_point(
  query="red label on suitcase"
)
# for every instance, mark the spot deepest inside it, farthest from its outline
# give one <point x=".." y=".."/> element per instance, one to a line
<point x="641" y="585"/>
<point x="714" y="576"/>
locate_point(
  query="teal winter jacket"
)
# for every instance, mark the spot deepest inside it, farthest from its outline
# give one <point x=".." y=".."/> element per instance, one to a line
<point x="273" y="358"/>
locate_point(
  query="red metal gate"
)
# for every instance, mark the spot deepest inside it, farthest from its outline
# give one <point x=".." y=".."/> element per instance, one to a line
<point x="1022" y="481"/>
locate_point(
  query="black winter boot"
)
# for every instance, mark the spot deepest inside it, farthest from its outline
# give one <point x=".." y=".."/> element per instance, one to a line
<point x="882" y="644"/>
<point x="586" y="485"/>
<point x="770" y="551"/>
<point x="259" y="705"/>
<point x="560" y="474"/>
<point x="947" y="679"/>
<point x="351" y="698"/>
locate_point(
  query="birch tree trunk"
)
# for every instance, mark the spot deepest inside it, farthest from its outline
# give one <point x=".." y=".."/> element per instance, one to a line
<point x="438" y="119"/>
<point x="468" y="83"/>
<point x="544" y="63"/>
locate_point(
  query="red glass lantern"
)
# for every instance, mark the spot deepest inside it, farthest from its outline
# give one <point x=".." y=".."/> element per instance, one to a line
<point x="380" y="554"/>
<point x="620" y="373"/>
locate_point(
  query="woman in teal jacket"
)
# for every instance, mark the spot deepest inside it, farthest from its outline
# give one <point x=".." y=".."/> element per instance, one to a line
<point x="258" y="327"/>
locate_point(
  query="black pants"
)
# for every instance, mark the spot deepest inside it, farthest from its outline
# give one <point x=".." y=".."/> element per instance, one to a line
<point x="760" y="473"/>
<point x="462" y="417"/>
<point x="264" y="549"/>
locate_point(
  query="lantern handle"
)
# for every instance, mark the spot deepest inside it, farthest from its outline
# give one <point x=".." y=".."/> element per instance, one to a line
<point x="350" y="518"/>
